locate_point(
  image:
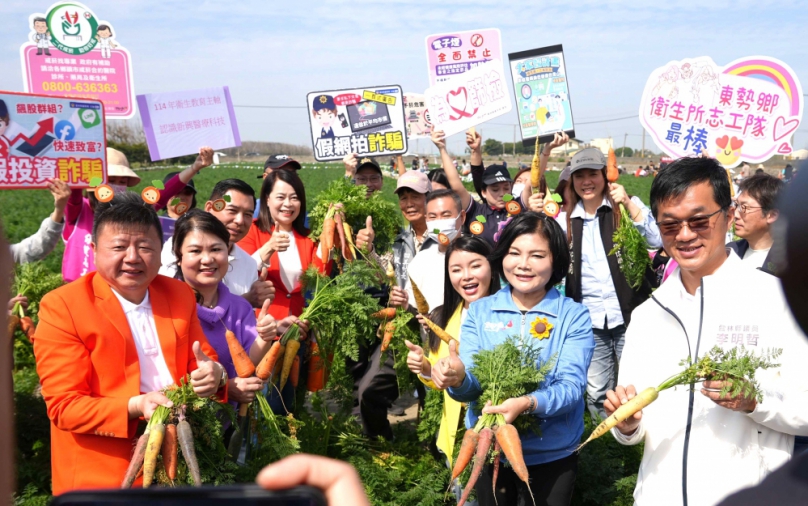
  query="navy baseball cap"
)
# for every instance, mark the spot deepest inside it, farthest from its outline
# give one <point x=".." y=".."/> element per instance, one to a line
<point x="279" y="161"/>
<point x="368" y="162"/>
<point x="496" y="174"/>
<point x="321" y="102"/>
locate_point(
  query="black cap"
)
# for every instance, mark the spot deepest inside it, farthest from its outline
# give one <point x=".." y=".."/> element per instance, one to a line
<point x="190" y="183"/>
<point x="496" y="174"/>
<point x="368" y="162"/>
<point x="278" y="161"/>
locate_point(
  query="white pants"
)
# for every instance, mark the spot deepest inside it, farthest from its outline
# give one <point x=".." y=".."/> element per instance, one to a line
<point x="106" y="52"/>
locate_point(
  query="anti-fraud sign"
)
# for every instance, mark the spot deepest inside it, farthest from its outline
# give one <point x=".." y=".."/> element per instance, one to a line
<point x="417" y="115"/>
<point x="366" y="121"/>
<point x="469" y="99"/>
<point x="744" y="111"/>
<point x="450" y="54"/>
<point x="179" y="123"/>
<point x="44" y="137"/>
<point x="70" y="53"/>
<point x="542" y="93"/>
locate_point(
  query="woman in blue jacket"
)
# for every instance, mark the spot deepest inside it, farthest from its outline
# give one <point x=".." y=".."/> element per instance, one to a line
<point x="532" y="255"/>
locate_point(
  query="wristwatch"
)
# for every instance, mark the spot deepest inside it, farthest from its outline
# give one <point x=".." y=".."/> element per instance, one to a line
<point x="223" y="381"/>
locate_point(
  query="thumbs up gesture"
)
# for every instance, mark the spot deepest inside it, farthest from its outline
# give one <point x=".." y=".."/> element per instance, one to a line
<point x="207" y="375"/>
<point x="365" y="237"/>
<point x="279" y="241"/>
<point x="415" y="360"/>
<point x="449" y="371"/>
<point x="265" y="324"/>
<point x="261" y="290"/>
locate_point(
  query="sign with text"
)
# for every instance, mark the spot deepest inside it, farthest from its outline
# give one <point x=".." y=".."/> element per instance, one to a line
<point x="44" y="137"/>
<point x="542" y="93"/>
<point x="366" y="121"/>
<point x="469" y="99"/>
<point x="181" y="122"/>
<point x="744" y="111"/>
<point x="417" y="115"/>
<point x="451" y="54"/>
<point x="70" y="53"/>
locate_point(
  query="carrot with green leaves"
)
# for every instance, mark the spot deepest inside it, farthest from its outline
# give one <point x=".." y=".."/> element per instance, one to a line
<point x="466" y="452"/>
<point x="442" y="334"/>
<point x="387" y="313"/>
<point x="420" y="301"/>
<point x="480" y="457"/>
<point x="156" y="435"/>
<point x="389" y="330"/>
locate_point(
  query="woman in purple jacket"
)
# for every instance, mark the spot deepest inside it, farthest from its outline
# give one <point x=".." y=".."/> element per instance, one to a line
<point x="201" y="246"/>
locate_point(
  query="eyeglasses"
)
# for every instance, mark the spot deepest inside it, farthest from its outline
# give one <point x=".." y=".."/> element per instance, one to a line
<point x="696" y="224"/>
<point x="371" y="179"/>
<point x="743" y="209"/>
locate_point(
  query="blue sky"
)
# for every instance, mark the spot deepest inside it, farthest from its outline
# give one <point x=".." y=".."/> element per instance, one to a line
<point x="273" y="53"/>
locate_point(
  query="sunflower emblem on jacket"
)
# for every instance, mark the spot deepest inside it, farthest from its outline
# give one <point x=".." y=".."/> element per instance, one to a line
<point x="540" y="328"/>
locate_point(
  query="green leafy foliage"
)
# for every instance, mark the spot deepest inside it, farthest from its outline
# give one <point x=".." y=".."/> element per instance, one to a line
<point x="631" y="249"/>
<point x="429" y="422"/>
<point x="357" y="207"/>
<point x="406" y="329"/>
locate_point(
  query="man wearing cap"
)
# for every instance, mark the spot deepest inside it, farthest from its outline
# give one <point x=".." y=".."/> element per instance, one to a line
<point x="365" y="171"/>
<point x="275" y="162"/>
<point x="78" y="257"/>
<point x="412" y="188"/>
<point x="324" y="112"/>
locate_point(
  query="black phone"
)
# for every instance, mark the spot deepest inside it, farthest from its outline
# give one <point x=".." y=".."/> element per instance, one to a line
<point x="343" y="120"/>
<point x="243" y="495"/>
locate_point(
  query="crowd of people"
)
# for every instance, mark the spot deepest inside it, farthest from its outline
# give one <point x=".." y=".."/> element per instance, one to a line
<point x="234" y="262"/>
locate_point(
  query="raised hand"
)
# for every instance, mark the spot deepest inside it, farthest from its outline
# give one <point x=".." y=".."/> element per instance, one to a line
<point x="449" y="371"/>
<point x="616" y="398"/>
<point x="205" y="158"/>
<point x="207" y="375"/>
<point x="365" y="237"/>
<point x="439" y="138"/>
<point x="415" y="360"/>
<point x="265" y="324"/>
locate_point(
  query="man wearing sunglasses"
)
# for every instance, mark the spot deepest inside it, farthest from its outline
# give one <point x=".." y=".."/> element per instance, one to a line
<point x="702" y="445"/>
<point x="756" y="213"/>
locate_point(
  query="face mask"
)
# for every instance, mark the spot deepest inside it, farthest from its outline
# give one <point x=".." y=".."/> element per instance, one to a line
<point x="118" y="188"/>
<point x="447" y="227"/>
<point x="517" y="190"/>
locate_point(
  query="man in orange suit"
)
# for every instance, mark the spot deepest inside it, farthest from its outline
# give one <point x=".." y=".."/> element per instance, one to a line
<point x="107" y="343"/>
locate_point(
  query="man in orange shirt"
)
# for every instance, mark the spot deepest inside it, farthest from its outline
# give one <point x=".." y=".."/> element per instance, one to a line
<point x="107" y="343"/>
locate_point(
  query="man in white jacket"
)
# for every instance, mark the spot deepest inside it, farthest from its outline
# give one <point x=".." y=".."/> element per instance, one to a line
<point x="701" y="446"/>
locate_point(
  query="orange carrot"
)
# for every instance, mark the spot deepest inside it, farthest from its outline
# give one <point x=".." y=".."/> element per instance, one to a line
<point x="264" y="368"/>
<point x="136" y="464"/>
<point x="294" y="374"/>
<point x="495" y="472"/>
<point x="389" y="329"/>
<point x="612" y="174"/>
<point x="244" y="366"/>
<point x="316" y="376"/>
<point x="288" y="358"/>
<point x="511" y="445"/>
<point x="327" y="238"/>
<point x="169" y="451"/>
<point x="466" y="452"/>
<point x="387" y="313"/>
<point x="28" y="327"/>
<point x="442" y="334"/>
<point x="483" y="445"/>
<point x="276" y="371"/>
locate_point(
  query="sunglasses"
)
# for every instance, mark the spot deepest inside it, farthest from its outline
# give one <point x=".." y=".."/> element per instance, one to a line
<point x="696" y="224"/>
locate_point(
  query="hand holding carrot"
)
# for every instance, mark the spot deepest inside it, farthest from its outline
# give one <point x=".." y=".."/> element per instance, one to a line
<point x="415" y="360"/>
<point x="742" y="403"/>
<point x="242" y="390"/>
<point x="616" y="398"/>
<point x="145" y="404"/>
<point x="510" y="409"/>
<point x="265" y="324"/>
<point x="399" y="297"/>
<point x="449" y="371"/>
<point x="536" y="202"/>
<point x="207" y="375"/>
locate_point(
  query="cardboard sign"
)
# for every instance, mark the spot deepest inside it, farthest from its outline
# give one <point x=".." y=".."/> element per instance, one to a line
<point x="43" y="137"/>
<point x="542" y="93"/>
<point x="744" y="111"/>
<point x="451" y="54"/>
<point x="417" y="115"/>
<point x="181" y="122"/>
<point x="365" y="121"/>
<point x="70" y="53"/>
<point x="469" y="99"/>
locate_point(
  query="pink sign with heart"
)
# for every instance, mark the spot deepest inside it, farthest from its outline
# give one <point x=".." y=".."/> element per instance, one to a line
<point x="744" y="111"/>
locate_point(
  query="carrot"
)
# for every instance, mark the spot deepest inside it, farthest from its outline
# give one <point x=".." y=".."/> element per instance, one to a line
<point x="535" y="168"/>
<point x="467" y="447"/>
<point x="387" y="313"/>
<point x="483" y="445"/>
<point x="420" y="300"/>
<point x="264" y="368"/>
<point x="391" y="274"/>
<point x="13" y="323"/>
<point x="288" y="358"/>
<point x="495" y="472"/>
<point x="28" y="327"/>
<point x="511" y="445"/>
<point x="612" y="174"/>
<point x="442" y="334"/>
<point x="169" y="451"/>
<point x="294" y="374"/>
<point x="327" y="238"/>
<point x="341" y="233"/>
<point x="276" y="371"/>
<point x="244" y="366"/>
<point x="186" y="439"/>
<point x="158" y="431"/>
<point x="389" y="329"/>
<point x="349" y="250"/>
<point x="316" y="377"/>
<point x="640" y="401"/>
<point x="137" y="461"/>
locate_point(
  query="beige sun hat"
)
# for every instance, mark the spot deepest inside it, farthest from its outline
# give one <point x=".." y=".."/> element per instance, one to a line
<point x="118" y="165"/>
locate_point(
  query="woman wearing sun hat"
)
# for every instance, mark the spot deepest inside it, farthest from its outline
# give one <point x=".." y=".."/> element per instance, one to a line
<point x="78" y="257"/>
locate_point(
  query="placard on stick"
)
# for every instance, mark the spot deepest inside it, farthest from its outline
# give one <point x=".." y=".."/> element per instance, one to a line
<point x="542" y="93"/>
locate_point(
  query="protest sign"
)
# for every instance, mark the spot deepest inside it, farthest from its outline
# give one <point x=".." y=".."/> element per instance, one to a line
<point x="417" y="116"/>
<point x="451" y="54"/>
<point x="744" y="111"/>
<point x="180" y="122"/>
<point x="70" y="53"/>
<point x="44" y="137"/>
<point x="542" y="93"/>
<point x="365" y="121"/>
<point x="469" y="99"/>
<point x="167" y="223"/>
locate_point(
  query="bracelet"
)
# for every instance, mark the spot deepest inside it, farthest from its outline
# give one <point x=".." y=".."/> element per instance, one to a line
<point x="532" y="406"/>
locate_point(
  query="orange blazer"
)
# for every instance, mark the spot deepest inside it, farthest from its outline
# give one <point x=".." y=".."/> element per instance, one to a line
<point x="88" y="367"/>
<point x="286" y="303"/>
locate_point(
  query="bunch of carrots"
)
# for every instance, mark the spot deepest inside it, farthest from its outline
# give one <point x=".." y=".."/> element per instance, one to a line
<point x="736" y="367"/>
<point x="162" y="437"/>
<point x="337" y="233"/>
<point x="23" y="322"/>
